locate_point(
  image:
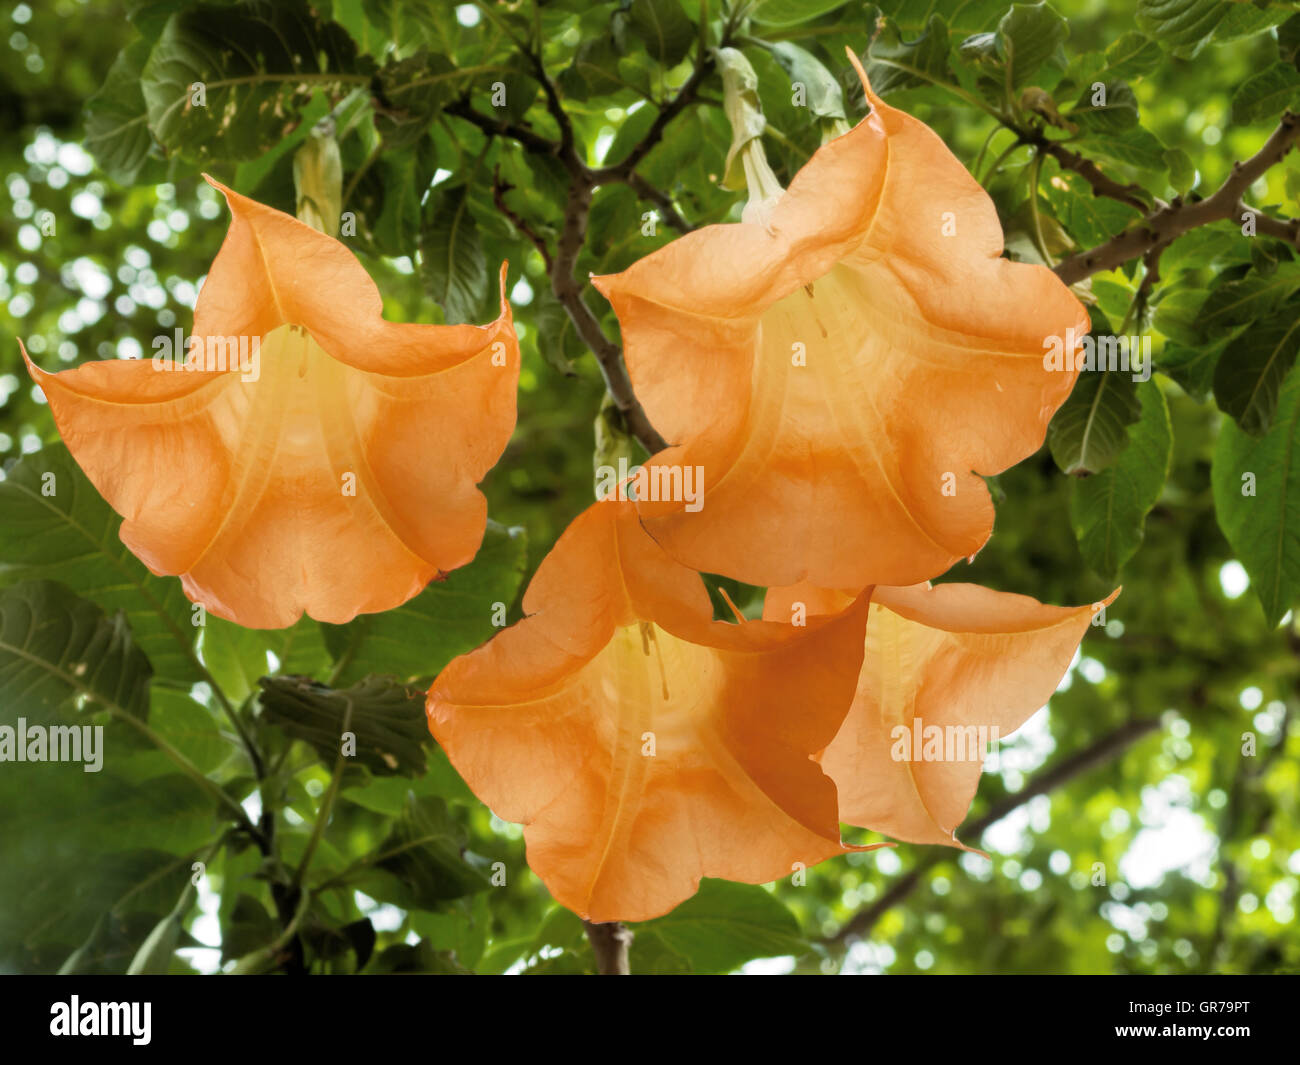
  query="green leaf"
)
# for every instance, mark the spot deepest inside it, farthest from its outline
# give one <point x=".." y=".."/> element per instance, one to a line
<point x="1118" y="112"/>
<point x="1108" y="511"/>
<point x="258" y="63"/>
<point x="412" y="91"/>
<point x="1131" y="55"/>
<point x="404" y="177"/>
<point x="1250" y="372"/>
<point x="1184" y="27"/>
<point x="1135" y="146"/>
<point x="894" y="64"/>
<point x="73" y="850"/>
<point x="1247" y="300"/>
<point x="452" y="258"/>
<point x="1256" y="484"/>
<point x="386" y="718"/>
<point x="823" y="96"/>
<point x="664" y="27"/>
<point x="452" y="616"/>
<point x="790" y="12"/>
<point x="117" y="122"/>
<point x="1192" y="367"/>
<point x="1090" y="430"/>
<point x="56" y="526"/>
<point x="425" y="853"/>
<point x="155" y="953"/>
<point x="55" y="646"/>
<point x="717" y="930"/>
<point x="1029" y="37"/>
<point x="1267" y="94"/>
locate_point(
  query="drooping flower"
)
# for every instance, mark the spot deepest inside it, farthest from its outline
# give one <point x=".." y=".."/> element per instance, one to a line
<point x="947" y="670"/>
<point x="843" y="365"/>
<point x="298" y="453"/>
<point x="642" y="744"/>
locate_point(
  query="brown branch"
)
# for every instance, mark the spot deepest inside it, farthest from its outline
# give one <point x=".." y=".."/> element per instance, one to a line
<point x="683" y="98"/>
<point x="609" y="355"/>
<point x="663" y="203"/>
<point x="1167" y="223"/>
<point x="1095" y="754"/>
<point x="1132" y="194"/>
<point x="499" y="190"/>
<point x="610" y="943"/>
<point x="529" y="138"/>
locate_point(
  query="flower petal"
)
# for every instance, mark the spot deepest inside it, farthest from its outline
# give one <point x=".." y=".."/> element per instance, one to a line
<point x="333" y="474"/>
<point x="845" y="373"/>
<point x="550" y="723"/>
<point x="956" y="657"/>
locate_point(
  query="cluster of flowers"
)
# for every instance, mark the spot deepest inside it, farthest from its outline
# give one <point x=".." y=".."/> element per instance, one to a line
<point x="643" y="744"/>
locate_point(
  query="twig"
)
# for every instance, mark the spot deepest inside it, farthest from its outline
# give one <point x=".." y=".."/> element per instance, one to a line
<point x="499" y="190"/>
<point x="610" y="943"/>
<point x="682" y="99"/>
<point x="663" y="203"/>
<point x="1132" y="194"/>
<point x="609" y="356"/>
<point x="1168" y="222"/>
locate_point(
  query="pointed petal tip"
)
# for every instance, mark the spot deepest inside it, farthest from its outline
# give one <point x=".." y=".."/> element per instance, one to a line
<point x="862" y="74"/>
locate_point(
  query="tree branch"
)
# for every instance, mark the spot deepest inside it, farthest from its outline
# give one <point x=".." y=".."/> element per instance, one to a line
<point x="1095" y="754"/>
<point x="499" y="190"/>
<point x="610" y="943"/>
<point x="1167" y="223"/>
<point x="663" y="203"/>
<point x="683" y="98"/>
<point x="529" y="138"/>
<point x="1132" y="194"/>
<point x="609" y="355"/>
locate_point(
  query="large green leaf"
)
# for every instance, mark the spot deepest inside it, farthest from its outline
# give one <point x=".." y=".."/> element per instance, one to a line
<point x="425" y="852"/>
<point x="893" y="63"/>
<point x="55" y="647"/>
<point x="1182" y="26"/>
<point x="257" y="62"/>
<point x="451" y="252"/>
<point x="386" y="719"/>
<point x="823" y="96"/>
<point x="663" y="27"/>
<point x="1257" y="500"/>
<point x="1091" y="429"/>
<point x="57" y="526"/>
<point x="1251" y="369"/>
<point x="117" y="123"/>
<point x="107" y="848"/>
<point x="1029" y="37"/>
<point x="452" y="616"/>
<point x="1266" y="94"/>
<point x="717" y="930"/>
<point x="1108" y="511"/>
<point x="1246" y="300"/>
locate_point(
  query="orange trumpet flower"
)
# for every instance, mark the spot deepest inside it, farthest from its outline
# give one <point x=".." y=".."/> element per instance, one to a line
<point x="946" y="670"/>
<point x="642" y="744"/>
<point x="304" y="454"/>
<point x="842" y="366"/>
